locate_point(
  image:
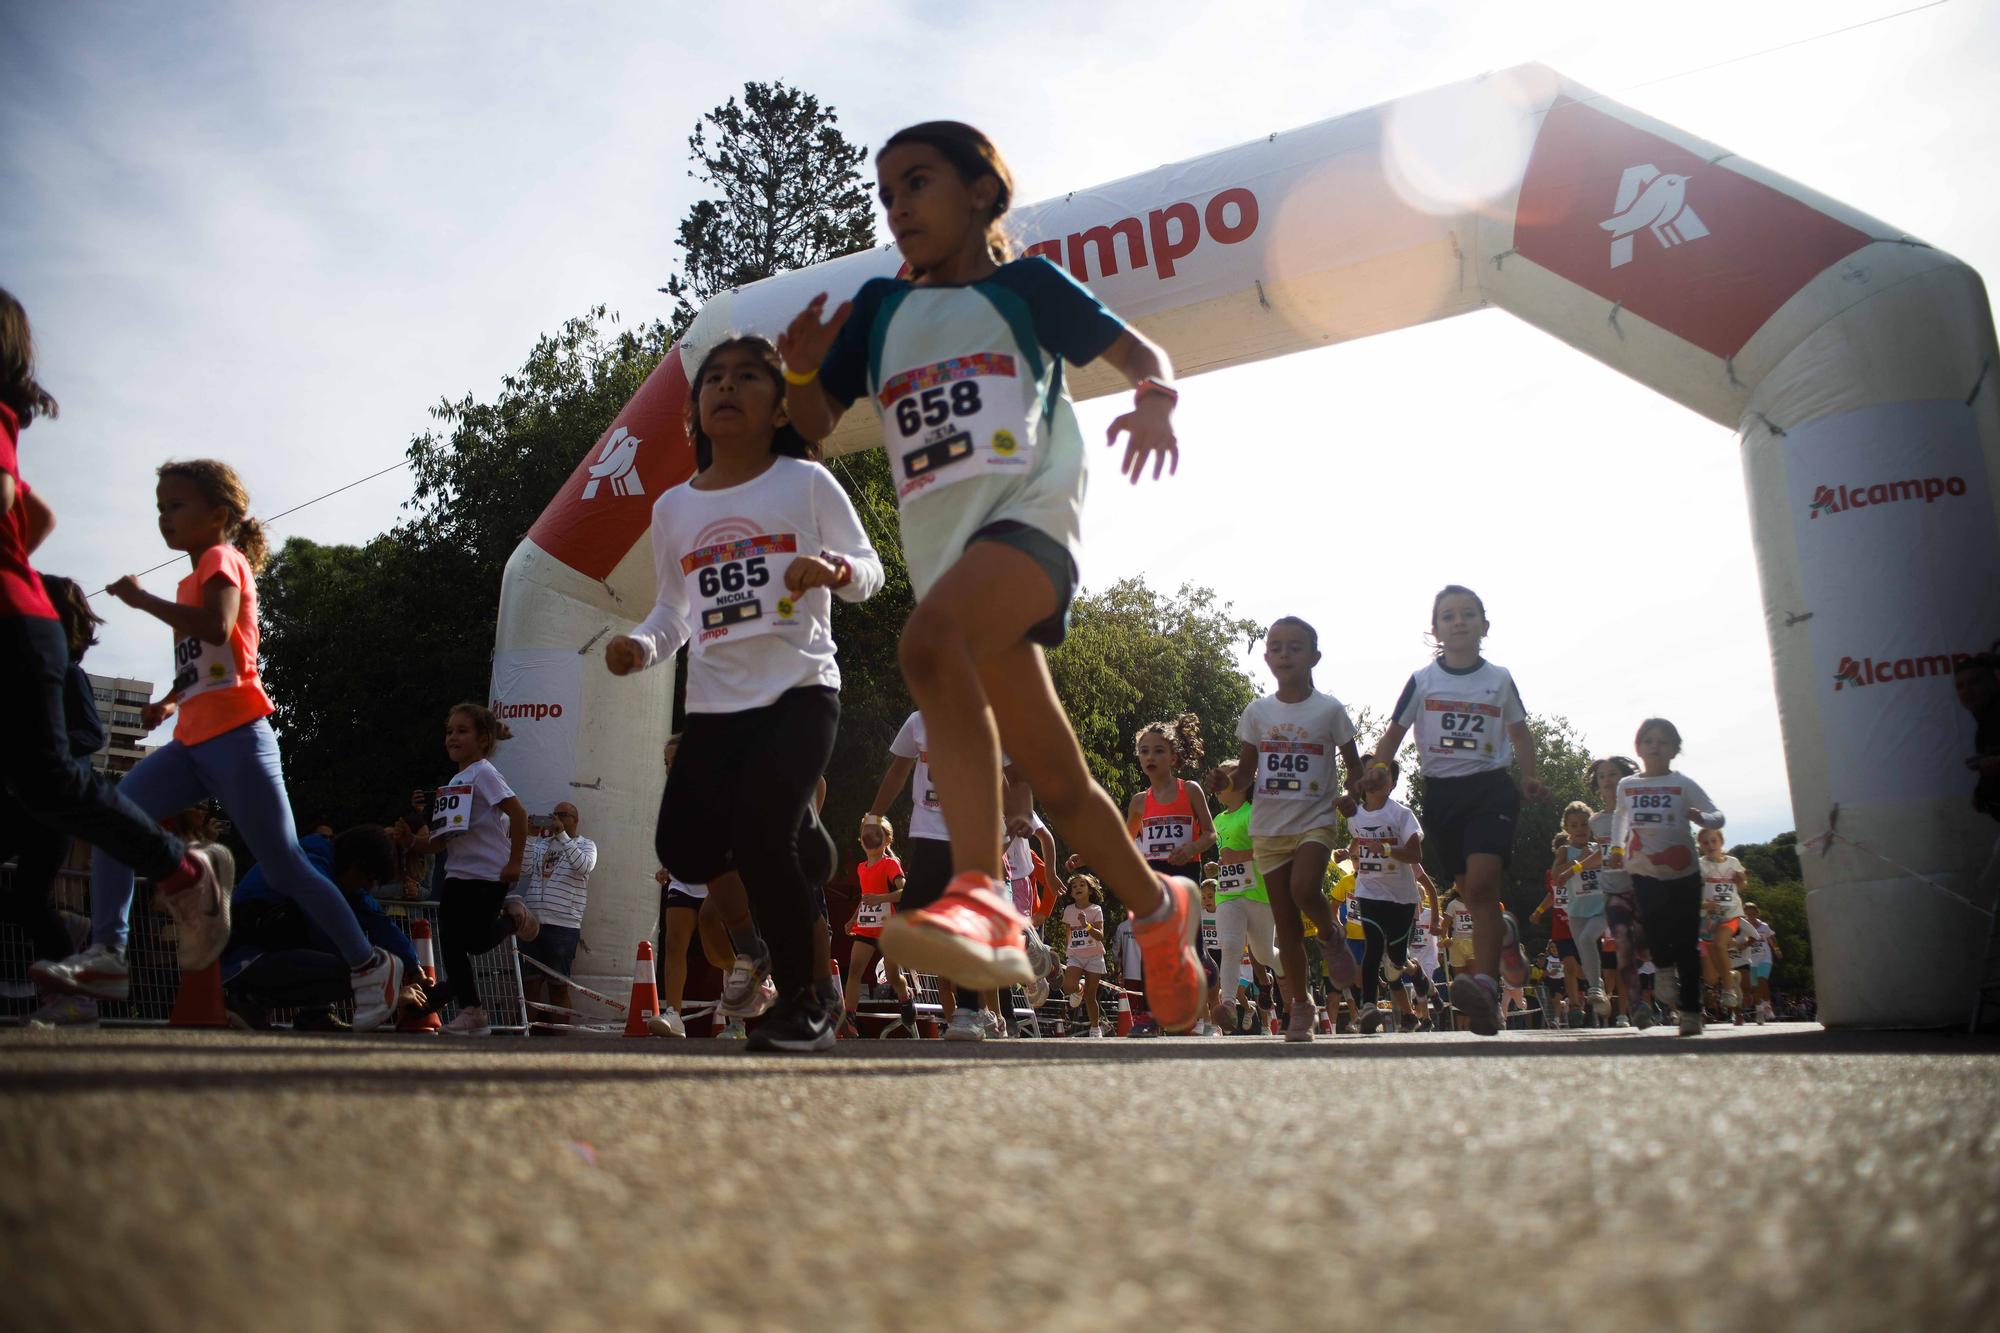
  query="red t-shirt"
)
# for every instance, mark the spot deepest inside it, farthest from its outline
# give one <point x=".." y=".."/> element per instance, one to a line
<point x="877" y="877"/>
<point x="217" y="683"/>
<point x="21" y="590"/>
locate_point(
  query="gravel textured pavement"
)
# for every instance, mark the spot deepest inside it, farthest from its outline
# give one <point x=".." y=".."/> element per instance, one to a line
<point x="1765" y="1178"/>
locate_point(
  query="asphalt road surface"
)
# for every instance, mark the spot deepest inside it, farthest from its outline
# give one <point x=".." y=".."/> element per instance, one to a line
<point x="1761" y="1178"/>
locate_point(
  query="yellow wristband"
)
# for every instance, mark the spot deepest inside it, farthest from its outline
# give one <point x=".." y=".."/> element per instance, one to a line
<point x="793" y="376"/>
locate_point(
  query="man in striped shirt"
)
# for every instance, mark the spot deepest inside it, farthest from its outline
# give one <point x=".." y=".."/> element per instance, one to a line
<point x="556" y="881"/>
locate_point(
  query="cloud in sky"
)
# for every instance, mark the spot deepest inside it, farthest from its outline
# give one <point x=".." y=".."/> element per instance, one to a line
<point x="278" y="234"/>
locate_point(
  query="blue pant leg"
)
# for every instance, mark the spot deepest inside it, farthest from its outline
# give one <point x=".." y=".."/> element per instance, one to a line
<point x="164" y="783"/>
<point x="242" y="769"/>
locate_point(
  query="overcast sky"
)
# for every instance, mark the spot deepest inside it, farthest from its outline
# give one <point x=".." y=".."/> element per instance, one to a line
<point x="277" y="234"/>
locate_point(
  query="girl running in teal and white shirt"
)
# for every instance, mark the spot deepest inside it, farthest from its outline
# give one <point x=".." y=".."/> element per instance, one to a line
<point x="963" y="361"/>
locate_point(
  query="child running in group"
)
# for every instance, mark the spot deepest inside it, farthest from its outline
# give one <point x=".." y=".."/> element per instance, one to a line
<point x="37" y="769"/>
<point x="1242" y="903"/>
<point x="1723" y="880"/>
<point x="747" y="556"/>
<point x="963" y="362"/>
<point x="1621" y="905"/>
<point x="1084" y="969"/>
<point x="1577" y="898"/>
<point x="1470" y="726"/>
<point x="1388" y="852"/>
<point x="1169" y="818"/>
<point x="484" y="826"/>
<point x="1655" y="808"/>
<point x="1289" y="740"/>
<point x="223" y="746"/>
<point x="882" y="883"/>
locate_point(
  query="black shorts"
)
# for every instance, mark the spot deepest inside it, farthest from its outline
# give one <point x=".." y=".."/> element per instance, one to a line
<point x="672" y="899"/>
<point x="1471" y="816"/>
<point x="748" y="777"/>
<point x="1566" y="949"/>
<point x="926" y="872"/>
<point x="1055" y="561"/>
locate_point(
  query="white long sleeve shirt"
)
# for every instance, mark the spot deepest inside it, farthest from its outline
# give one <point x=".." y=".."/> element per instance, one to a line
<point x="719" y="561"/>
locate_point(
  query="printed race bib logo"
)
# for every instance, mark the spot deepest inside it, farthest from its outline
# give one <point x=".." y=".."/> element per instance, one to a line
<point x="784" y="606"/>
<point x="1004" y="443"/>
<point x="1652" y="202"/>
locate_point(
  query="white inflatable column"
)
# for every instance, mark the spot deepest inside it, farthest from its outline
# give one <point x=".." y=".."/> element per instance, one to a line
<point x="1871" y="454"/>
<point x="583" y="574"/>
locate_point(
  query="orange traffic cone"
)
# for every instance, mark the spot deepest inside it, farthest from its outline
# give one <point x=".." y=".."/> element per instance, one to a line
<point x="1124" y="1015"/>
<point x="198" y="1001"/>
<point x="421" y="936"/>
<point x="645" y="993"/>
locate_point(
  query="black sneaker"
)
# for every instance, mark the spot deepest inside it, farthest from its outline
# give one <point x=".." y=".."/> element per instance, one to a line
<point x="799" y="1021"/>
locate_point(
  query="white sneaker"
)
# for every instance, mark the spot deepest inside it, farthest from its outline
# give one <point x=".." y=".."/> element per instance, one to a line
<point x="376" y="990"/>
<point x="966" y="1025"/>
<point x="732" y="1030"/>
<point x="64" y="1011"/>
<point x="996" y="1026"/>
<point x="1690" y="1023"/>
<point x="1097" y="1029"/>
<point x="469" y="1023"/>
<point x="1038" y="993"/>
<point x="1599" y="1001"/>
<point x="99" y="972"/>
<point x="201" y="910"/>
<point x="667" y="1023"/>
<point x="748" y="991"/>
<point x="1763" y="1014"/>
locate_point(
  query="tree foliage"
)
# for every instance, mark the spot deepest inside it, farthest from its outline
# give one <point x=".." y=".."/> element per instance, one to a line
<point x="366" y="647"/>
<point x="792" y="195"/>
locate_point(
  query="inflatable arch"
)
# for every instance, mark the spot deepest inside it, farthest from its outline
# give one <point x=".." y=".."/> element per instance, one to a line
<point x="1856" y="362"/>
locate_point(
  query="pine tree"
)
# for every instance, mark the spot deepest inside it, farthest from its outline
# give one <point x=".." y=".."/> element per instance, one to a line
<point x="792" y="195"/>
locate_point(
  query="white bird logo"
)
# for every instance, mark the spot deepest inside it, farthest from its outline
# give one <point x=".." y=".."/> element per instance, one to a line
<point x="1646" y="199"/>
<point x="617" y="463"/>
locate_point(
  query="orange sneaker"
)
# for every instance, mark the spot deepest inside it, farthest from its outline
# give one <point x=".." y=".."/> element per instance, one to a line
<point x="1176" y="987"/>
<point x="971" y="935"/>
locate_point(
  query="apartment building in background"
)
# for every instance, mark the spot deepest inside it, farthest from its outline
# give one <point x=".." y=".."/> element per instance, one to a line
<point x="118" y="703"/>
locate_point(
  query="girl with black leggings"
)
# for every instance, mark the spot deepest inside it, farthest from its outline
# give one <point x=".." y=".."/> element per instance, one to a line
<point x="747" y="557"/>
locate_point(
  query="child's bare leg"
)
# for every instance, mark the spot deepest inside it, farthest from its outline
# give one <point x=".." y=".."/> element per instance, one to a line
<point x="1042" y="745"/>
<point x="979" y="609"/>
<point x="1482" y="895"/>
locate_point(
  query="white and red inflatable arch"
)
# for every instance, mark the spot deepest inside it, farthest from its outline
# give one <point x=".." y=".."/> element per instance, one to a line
<point x="1856" y="362"/>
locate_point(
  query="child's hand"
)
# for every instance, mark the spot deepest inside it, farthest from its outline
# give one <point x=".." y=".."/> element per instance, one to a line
<point x="153" y="714"/>
<point x="660" y="877"/>
<point x="805" y="341"/>
<point x="809" y="571"/>
<point x="127" y="590"/>
<point x="623" y="655"/>
<point x="1151" y="428"/>
<point x="511" y="874"/>
<point x="1534" y="788"/>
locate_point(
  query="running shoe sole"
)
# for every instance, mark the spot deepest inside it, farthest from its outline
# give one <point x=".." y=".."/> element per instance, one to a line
<point x="932" y="948"/>
<point x="90" y="985"/>
<point x="201" y="910"/>
<point x="1481" y="1011"/>
<point x="375" y="992"/>
<point x="1176" y="985"/>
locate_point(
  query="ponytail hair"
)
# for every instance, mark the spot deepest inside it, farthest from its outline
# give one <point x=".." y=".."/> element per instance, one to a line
<point x="18" y="388"/>
<point x="221" y="487"/>
<point x="485" y="725"/>
<point x="1182" y="733"/>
